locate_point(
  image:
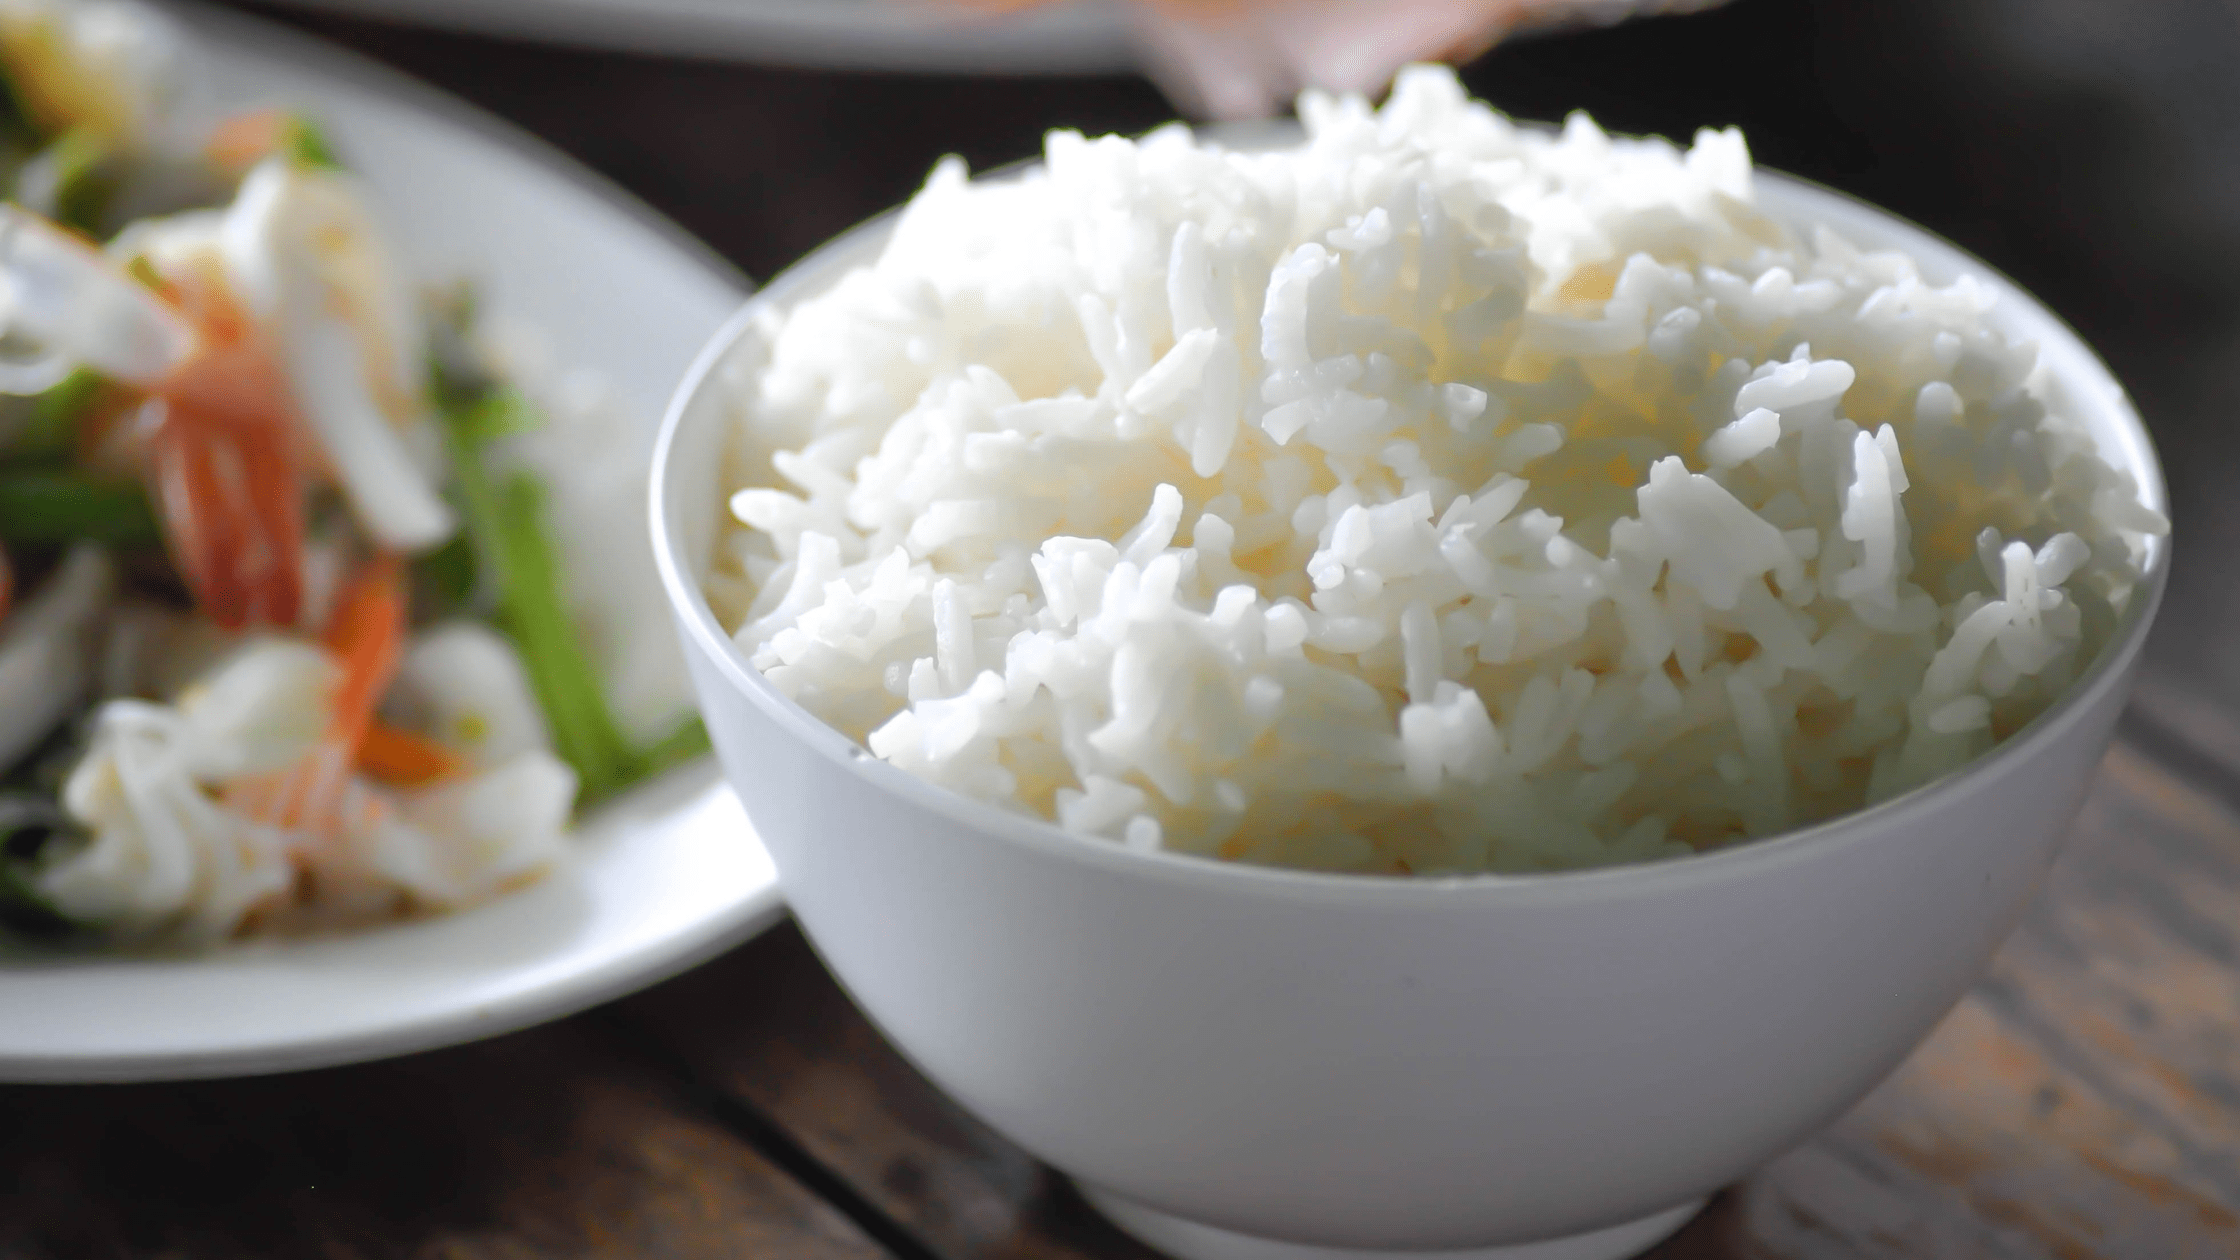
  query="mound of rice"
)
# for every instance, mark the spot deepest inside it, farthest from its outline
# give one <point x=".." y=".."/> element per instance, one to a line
<point x="1435" y="496"/>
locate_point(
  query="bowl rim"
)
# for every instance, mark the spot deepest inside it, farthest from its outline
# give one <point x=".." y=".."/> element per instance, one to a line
<point x="1801" y="200"/>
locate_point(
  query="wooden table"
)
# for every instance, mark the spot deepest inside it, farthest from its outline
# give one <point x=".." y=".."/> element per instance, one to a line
<point x="2084" y="1101"/>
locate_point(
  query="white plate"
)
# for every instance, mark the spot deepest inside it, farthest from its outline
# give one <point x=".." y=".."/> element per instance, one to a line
<point x="1081" y="37"/>
<point x="668" y="876"/>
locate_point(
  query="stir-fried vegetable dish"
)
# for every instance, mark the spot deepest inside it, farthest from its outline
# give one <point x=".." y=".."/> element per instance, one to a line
<point x="286" y="633"/>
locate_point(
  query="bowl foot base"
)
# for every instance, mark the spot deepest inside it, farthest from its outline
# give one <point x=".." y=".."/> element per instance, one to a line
<point x="1188" y="1240"/>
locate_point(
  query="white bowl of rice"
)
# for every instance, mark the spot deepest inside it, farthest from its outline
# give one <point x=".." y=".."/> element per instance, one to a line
<point x="1442" y="687"/>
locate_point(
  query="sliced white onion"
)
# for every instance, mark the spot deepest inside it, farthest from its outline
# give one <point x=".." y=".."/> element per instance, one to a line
<point x="304" y="253"/>
<point x="463" y="685"/>
<point x="70" y="306"/>
<point x="47" y="649"/>
<point x="463" y="840"/>
<point x="163" y="855"/>
<point x="263" y="707"/>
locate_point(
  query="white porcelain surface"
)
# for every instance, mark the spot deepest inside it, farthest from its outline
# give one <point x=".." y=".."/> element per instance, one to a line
<point x="669" y="875"/>
<point x="1393" y="1065"/>
<point x="1078" y="37"/>
<point x="1192" y="1241"/>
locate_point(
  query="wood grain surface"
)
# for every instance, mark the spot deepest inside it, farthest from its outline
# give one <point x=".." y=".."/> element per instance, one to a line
<point x="2079" y="1103"/>
<point x="556" y="1142"/>
<point x="2083" y="1103"/>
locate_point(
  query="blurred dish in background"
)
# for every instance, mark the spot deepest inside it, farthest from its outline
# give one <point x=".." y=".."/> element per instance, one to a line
<point x="1235" y="59"/>
<point x="1073" y="37"/>
<point x="1220" y="58"/>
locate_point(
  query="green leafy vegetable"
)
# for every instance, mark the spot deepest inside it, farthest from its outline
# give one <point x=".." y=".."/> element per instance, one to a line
<point x="20" y="134"/>
<point x="513" y="553"/>
<point x="306" y="145"/>
<point x="689" y="740"/>
<point x="533" y="608"/>
<point x="59" y="506"/>
<point x="52" y="431"/>
<point x="445" y="578"/>
<point x="83" y="179"/>
<point x="16" y="117"/>
<point x="497" y="412"/>
<point x="71" y="180"/>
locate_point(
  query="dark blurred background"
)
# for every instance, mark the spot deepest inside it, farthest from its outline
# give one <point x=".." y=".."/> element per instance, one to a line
<point x="2090" y="149"/>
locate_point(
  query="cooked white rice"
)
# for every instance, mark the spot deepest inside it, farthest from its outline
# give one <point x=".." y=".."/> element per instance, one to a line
<point x="1435" y="496"/>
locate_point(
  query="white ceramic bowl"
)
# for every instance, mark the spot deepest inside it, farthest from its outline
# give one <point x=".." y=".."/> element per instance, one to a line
<point x="1235" y="1061"/>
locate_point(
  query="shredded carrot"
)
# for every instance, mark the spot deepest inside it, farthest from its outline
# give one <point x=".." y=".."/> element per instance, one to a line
<point x="405" y="759"/>
<point x="366" y="631"/>
<point x="225" y="465"/>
